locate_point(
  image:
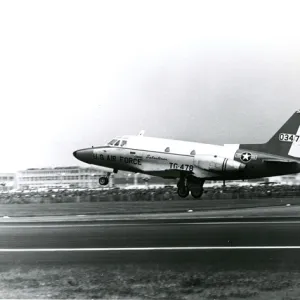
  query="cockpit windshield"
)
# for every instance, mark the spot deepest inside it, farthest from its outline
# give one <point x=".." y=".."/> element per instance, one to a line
<point x="112" y="142"/>
<point x="124" y="142"/>
<point x="117" y="142"/>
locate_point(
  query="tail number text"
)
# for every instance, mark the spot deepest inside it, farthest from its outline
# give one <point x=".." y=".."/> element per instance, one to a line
<point x="181" y="167"/>
<point x="288" y="137"/>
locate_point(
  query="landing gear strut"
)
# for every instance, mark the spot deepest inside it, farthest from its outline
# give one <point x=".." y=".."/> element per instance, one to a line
<point x="182" y="188"/>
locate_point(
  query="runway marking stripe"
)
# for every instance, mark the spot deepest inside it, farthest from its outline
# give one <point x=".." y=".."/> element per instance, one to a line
<point x="9" y="225"/>
<point x="240" y="222"/>
<point x="146" y="249"/>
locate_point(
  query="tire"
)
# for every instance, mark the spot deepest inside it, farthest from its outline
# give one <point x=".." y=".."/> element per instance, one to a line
<point x="183" y="192"/>
<point x="103" y="180"/>
<point x="197" y="193"/>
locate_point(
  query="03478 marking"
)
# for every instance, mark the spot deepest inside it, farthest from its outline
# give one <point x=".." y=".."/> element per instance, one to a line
<point x="288" y="137"/>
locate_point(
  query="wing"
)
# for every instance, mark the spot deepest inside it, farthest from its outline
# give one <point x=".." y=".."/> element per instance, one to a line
<point x="171" y="173"/>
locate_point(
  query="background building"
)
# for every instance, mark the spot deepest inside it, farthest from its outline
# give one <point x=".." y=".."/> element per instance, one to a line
<point x="80" y="177"/>
<point x="59" y="177"/>
<point x="7" y="181"/>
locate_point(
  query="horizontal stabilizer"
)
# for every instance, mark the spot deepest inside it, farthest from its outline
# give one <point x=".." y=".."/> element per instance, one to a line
<point x="282" y="161"/>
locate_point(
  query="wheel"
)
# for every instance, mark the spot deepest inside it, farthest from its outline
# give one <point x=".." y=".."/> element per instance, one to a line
<point x="197" y="193"/>
<point x="183" y="191"/>
<point x="103" y="180"/>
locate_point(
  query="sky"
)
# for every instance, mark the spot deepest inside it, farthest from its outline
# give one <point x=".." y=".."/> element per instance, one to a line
<point x="77" y="73"/>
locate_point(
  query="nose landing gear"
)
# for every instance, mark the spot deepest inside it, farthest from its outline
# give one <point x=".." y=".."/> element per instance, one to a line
<point x="104" y="180"/>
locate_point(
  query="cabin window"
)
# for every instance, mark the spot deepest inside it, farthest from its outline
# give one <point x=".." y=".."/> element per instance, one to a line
<point x="167" y="149"/>
<point x="117" y="143"/>
<point x="193" y="152"/>
<point x="112" y="142"/>
<point x="123" y="143"/>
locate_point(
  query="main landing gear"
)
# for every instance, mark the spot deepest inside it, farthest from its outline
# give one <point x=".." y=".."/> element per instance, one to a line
<point x="197" y="193"/>
<point x="184" y="187"/>
<point x="182" y="191"/>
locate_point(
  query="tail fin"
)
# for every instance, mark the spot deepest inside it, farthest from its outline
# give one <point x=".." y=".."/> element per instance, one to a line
<point x="285" y="142"/>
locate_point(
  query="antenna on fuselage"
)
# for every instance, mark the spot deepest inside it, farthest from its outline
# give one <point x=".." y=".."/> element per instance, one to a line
<point x="141" y="133"/>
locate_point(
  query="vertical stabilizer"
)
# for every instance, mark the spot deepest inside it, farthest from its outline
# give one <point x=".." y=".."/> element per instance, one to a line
<point x="285" y="142"/>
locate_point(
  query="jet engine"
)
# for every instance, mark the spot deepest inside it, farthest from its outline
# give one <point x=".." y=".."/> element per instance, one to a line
<point x="217" y="163"/>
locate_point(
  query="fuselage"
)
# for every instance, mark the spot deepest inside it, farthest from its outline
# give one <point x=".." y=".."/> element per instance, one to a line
<point x="169" y="158"/>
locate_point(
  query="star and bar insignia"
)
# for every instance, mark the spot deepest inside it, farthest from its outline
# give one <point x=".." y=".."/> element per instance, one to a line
<point x="246" y="157"/>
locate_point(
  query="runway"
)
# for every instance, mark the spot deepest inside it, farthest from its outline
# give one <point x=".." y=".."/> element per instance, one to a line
<point x="176" y="233"/>
<point x="233" y="244"/>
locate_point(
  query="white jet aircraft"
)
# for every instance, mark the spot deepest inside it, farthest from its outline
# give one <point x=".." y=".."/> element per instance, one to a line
<point x="193" y="163"/>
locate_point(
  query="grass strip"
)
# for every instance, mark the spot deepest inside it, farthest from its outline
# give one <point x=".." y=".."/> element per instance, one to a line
<point x="146" y="282"/>
<point x="104" y="208"/>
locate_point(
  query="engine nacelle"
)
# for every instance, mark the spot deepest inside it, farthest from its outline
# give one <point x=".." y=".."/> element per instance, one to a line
<point x="217" y="163"/>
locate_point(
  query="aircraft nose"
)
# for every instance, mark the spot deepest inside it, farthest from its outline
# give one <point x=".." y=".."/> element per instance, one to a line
<point x="84" y="155"/>
<point x="75" y="154"/>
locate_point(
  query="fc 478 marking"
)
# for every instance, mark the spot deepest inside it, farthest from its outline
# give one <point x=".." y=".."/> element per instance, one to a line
<point x="181" y="167"/>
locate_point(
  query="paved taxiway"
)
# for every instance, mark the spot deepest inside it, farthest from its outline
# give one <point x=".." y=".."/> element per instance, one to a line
<point x="103" y="242"/>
